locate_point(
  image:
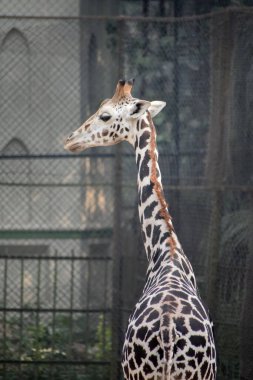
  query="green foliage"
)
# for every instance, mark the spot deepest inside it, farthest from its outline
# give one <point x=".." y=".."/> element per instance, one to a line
<point x="101" y="350"/>
<point x="104" y="340"/>
<point x="28" y="339"/>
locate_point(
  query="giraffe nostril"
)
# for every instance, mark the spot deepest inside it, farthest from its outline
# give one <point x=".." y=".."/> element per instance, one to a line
<point x="70" y="137"/>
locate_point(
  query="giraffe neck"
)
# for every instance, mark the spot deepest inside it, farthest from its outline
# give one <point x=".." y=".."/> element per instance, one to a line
<point x="160" y="241"/>
<point x="157" y="228"/>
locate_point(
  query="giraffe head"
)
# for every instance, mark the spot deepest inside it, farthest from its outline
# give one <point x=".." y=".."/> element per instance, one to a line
<point x="114" y="121"/>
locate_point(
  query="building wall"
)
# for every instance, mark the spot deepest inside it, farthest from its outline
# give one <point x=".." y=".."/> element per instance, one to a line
<point x="45" y="68"/>
<point x="54" y="74"/>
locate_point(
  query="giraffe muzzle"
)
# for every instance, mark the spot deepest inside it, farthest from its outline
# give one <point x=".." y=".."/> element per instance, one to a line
<point x="72" y="145"/>
<point x="77" y="142"/>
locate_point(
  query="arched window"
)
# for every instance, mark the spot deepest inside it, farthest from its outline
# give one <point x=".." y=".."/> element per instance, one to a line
<point x="14" y="84"/>
<point x="15" y="147"/>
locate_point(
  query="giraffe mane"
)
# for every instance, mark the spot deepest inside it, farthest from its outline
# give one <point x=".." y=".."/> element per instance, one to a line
<point x="158" y="189"/>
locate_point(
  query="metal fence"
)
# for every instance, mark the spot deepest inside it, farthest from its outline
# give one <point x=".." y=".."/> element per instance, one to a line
<point x="51" y="314"/>
<point x="71" y="258"/>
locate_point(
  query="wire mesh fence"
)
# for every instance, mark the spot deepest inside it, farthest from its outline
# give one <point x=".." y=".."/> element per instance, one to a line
<point x="71" y="257"/>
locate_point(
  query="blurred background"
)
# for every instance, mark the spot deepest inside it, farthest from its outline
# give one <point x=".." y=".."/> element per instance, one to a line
<point x="72" y="263"/>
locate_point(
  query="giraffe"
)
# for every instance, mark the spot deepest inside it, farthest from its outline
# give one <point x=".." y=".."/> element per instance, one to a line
<point x="169" y="334"/>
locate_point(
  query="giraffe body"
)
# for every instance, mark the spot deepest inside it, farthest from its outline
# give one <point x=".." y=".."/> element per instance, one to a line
<point x="169" y="335"/>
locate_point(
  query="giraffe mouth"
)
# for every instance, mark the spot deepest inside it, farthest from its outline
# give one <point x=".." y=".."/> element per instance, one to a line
<point x="76" y="147"/>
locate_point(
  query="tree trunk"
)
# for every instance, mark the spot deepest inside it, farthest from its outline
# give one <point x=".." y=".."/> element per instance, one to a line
<point x="246" y="347"/>
<point x="221" y="90"/>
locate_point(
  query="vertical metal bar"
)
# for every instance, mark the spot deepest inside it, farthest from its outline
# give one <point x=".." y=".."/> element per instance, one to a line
<point x="213" y="249"/>
<point x="72" y="279"/>
<point x="21" y="311"/>
<point x="104" y="307"/>
<point x="117" y="242"/>
<point x="37" y="315"/>
<point x="176" y="96"/>
<point x="54" y="295"/>
<point x="38" y="291"/>
<point x="145" y="43"/>
<point x="4" y="314"/>
<point x="52" y="373"/>
<point x="162" y="7"/>
<point x="145" y="7"/>
<point x="88" y="302"/>
<point x="176" y="123"/>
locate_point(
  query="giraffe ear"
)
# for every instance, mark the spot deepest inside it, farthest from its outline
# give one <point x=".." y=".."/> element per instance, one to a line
<point x="155" y="107"/>
<point x="139" y="108"/>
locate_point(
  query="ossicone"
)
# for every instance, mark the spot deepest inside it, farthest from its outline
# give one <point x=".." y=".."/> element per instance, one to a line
<point x="123" y="89"/>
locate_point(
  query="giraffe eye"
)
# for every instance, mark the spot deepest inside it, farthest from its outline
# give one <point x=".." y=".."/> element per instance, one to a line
<point x="105" y="116"/>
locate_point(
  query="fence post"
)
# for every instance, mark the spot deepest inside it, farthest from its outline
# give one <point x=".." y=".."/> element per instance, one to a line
<point x="221" y="90"/>
<point x="117" y="238"/>
<point x="176" y="123"/>
<point x="246" y="321"/>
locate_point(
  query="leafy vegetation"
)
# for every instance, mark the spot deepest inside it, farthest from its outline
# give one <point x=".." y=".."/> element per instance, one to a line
<point x="59" y="341"/>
